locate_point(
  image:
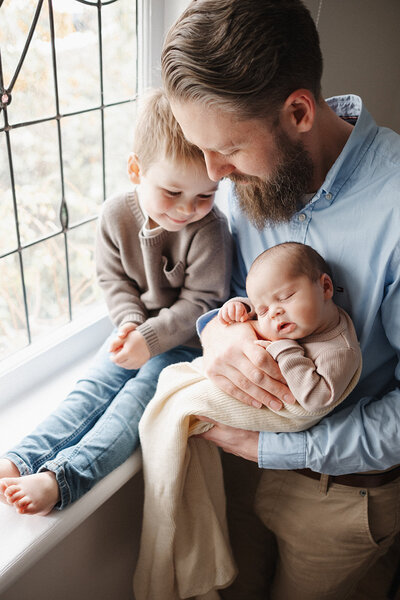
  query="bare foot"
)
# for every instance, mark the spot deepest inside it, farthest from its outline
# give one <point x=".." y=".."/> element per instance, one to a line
<point x="32" y="494"/>
<point x="7" y="469"/>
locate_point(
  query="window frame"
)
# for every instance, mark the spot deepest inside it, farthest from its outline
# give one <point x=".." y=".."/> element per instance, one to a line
<point x="70" y="343"/>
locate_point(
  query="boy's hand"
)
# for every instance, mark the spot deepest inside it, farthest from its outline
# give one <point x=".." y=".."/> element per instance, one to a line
<point x="118" y="342"/>
<point x="132" y="352"/>
<point x="233" y="312"/>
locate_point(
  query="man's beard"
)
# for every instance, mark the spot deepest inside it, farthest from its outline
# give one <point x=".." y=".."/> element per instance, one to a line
<point x="276" y="200"/>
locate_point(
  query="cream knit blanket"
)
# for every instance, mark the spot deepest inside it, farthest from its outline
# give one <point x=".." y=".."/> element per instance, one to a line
<point x="185" y="549"/>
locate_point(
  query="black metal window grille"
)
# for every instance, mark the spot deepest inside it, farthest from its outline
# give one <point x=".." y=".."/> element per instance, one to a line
<point x="59" y="163"/>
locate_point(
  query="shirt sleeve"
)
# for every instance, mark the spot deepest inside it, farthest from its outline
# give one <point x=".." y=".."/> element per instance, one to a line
<point x="120" y="291"/>
<point x="319" y="383"/>
<point x="347" y="441"/>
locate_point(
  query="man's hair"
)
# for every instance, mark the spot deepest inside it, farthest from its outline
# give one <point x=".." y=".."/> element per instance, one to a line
<point x="302" y="259"/>
<point x="158" y="135"/>
<point x="247" y="56"/>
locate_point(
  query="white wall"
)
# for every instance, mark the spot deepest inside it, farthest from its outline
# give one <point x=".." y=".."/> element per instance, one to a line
<point x="361" y="47"/>
<point x="173" y="8"/>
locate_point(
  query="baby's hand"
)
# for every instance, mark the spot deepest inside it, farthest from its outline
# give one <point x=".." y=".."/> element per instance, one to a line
<point x="118" y="342"/>
<point x="133" y="352"/>
<point x="233" y="312"/>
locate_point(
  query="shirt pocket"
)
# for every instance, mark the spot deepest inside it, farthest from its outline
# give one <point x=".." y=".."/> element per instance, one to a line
<point x="172" y="275"/>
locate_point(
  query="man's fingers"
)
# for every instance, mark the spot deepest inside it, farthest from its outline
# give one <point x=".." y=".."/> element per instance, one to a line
<point x="246" y="392"/>
<point x="264" y="379"/>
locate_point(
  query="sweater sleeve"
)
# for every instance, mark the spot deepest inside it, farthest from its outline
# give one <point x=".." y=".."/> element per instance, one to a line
<point x="120" y="291"/>
<point x="206" y="286"/>
<point x="320" y="384"/>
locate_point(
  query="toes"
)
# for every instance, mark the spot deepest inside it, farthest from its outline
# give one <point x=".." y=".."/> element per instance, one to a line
<point x="16" y="496"/>
<point x="11" y="491"/>
<point x="24" y="506"/>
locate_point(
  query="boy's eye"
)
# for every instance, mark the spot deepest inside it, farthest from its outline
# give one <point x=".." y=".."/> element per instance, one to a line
<point x="205" y="196"/>
<point x="172" y="194"/>
<point x="262" y="312"/>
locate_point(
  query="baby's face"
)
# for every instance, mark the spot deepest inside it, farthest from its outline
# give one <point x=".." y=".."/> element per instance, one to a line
<point x="288" y="306"/>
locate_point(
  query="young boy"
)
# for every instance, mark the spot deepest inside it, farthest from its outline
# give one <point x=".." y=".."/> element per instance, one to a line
<point x="314" y="342"/>
<point x="163" y="257"/>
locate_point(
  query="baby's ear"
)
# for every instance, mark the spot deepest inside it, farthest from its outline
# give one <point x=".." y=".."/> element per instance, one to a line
<point x="133" y="168"/>
<point x="327" y="286"/>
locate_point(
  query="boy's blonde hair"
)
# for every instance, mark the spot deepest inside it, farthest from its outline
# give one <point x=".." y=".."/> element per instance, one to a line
<point x="158" y="135"/>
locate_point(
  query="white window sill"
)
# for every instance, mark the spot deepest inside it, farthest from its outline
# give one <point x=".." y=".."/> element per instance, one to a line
<point x="25" y="539"/>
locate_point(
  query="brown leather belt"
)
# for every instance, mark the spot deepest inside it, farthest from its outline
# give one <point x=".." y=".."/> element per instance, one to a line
<point x="361" y="480"/>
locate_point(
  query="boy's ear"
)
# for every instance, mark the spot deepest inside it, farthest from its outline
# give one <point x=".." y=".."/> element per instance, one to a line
<point x="133" y="168"/>
<point x="327" y="286"/>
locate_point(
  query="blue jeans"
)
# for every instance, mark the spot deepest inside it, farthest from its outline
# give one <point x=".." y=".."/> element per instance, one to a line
<point x="95" y="429"/>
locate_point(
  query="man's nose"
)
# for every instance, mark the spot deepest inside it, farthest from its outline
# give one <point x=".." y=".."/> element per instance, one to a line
<point x="217" y="166"/>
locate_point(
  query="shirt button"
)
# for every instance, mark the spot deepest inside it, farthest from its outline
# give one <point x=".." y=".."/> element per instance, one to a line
<point x="302" y="217"/>
<point x="328" y="196"/>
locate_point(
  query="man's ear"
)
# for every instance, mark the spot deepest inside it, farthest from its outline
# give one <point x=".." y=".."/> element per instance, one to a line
<point x="134" y="168"/>
<point x="327" y="286"/>
<point x="299" y="110"/>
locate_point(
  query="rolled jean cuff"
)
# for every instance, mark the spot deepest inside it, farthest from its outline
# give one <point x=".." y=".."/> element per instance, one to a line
<point x="59" y="472"/>
<point x="21" y="465"/>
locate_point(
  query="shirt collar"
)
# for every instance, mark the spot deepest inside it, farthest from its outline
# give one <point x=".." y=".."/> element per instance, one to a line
<point x="360" y="139"/>
<point x="146" y="230"/>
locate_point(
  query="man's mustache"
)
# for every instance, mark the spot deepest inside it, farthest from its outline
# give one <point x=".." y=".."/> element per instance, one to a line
<point x="244" y="179"/>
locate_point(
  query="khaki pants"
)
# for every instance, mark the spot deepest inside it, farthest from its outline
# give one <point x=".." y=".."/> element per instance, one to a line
<point x="326" y="537"/>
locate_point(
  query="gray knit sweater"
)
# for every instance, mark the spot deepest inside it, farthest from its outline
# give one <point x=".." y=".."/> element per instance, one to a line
<point x="163" y="282"/>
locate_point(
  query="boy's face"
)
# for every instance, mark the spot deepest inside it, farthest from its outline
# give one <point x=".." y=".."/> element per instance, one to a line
<point x="288" y="306"/>
<point x="174" y="195"/>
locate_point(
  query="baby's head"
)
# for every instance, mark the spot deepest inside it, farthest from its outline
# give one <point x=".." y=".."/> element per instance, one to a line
<point x="291" y="289"/>
<point x="173" y="184"/>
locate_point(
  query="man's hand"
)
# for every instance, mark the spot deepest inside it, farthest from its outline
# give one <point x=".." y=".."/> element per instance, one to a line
<point x="241" y="368"/>
<point x="236" y="441"/>
<point x="129" y="349"/>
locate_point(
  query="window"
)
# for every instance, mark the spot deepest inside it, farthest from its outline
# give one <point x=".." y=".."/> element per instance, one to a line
<point x="68" y="84"/>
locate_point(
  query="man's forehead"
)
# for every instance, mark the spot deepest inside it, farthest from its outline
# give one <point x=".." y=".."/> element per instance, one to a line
<point x="209" y="127"/>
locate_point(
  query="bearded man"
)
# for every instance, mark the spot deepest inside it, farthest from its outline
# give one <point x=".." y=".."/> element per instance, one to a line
<point x="243" y="78"/>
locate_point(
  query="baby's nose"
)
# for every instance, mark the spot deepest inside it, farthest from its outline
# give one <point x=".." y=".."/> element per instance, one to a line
<point x="275" y="311"/>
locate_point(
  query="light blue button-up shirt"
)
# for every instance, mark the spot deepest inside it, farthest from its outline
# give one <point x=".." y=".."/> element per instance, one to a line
<point x="353" y="221"/>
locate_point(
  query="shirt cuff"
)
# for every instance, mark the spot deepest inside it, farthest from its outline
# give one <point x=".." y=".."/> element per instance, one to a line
<point x="204" y="319"/>
<point x="282" y="450"/>
<point x="279" y="346"/>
